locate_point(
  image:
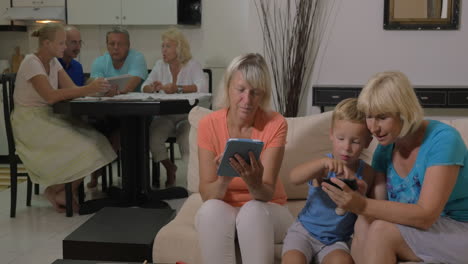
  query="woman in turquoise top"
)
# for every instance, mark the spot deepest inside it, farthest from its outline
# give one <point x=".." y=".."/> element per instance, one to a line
<point x="422" y="164"/>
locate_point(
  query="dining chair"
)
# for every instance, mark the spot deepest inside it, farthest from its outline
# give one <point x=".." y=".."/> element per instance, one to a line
<point x="8" y="84"/>
<point x="156" y="167"/>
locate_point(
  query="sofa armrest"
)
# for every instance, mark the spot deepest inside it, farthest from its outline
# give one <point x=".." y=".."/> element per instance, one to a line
<point x="178" y="240"/>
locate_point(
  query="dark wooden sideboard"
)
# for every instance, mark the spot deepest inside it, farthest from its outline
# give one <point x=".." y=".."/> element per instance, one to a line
<point x="429" y="96"/>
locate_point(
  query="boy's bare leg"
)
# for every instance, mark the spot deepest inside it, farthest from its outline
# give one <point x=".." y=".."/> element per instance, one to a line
<point x="293" y="256"/>
<point x="338" y="256"/>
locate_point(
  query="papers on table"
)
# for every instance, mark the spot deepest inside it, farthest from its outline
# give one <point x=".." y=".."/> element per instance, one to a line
<point x="203" y="98"/>
<point x="119" y="81"/>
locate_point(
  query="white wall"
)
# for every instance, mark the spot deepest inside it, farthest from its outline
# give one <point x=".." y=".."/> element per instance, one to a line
<point x="359" y="46"/>
<point x="356" y="45"/>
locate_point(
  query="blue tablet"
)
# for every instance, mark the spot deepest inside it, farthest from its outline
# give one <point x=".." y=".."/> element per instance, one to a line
<point x="241" y="146"/>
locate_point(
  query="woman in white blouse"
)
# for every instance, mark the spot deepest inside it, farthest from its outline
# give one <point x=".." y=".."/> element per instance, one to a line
<point x="177" y="72"/>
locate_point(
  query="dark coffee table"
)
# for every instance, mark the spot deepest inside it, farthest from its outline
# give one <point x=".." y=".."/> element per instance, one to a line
<point x="117" y="234"/>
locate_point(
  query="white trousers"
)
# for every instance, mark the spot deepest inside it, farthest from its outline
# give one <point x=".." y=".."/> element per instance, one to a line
<point x="163" y="127"/>
<point x="258" y="226"/>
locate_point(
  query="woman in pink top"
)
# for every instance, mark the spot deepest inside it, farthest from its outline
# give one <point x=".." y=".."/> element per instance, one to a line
<point x="249" y="207"/>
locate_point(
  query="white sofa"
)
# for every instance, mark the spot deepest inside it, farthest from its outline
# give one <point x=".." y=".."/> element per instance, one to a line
<point x="307" y="139"/>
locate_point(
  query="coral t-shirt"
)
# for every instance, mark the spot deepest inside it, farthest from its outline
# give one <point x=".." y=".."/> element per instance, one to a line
<point x="271" y="128"/>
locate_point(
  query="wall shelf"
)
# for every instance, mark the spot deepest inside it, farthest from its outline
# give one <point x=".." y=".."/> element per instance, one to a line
<point x="429" y="96"/>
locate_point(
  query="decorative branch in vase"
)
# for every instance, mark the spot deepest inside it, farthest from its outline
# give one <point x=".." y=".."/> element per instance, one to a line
<point x="292" y="33"/>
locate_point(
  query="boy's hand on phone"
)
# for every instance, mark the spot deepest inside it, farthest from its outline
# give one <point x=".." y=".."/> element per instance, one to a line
<point x="337" y="166"/>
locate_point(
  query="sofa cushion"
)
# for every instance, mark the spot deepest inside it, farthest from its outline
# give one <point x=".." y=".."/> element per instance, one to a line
<point x="307" y="139"/>
<point x="178" y="240"/>
<point x="195" y="115"/>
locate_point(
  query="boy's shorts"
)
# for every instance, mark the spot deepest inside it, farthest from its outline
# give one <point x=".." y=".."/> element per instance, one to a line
<point x="298" y="238"/>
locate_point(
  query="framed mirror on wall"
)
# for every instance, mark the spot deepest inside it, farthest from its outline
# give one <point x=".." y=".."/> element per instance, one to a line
<point x="421" y="14"/>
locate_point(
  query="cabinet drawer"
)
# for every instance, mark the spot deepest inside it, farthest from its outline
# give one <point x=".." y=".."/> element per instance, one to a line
<point x="458" y="98"/>
<point x="432" y="98"/>
<point x="332" y="97"/>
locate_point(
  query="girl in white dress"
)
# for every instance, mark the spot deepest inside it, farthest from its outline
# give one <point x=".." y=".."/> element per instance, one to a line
<point x="55" y="149"/>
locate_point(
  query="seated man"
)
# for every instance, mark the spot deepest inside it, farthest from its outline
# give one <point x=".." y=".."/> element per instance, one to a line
<point x="69" y="64"/>
<point x="120" y="59"/>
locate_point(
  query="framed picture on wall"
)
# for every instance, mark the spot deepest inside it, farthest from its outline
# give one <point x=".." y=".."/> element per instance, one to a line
<point x="421" y="14"/>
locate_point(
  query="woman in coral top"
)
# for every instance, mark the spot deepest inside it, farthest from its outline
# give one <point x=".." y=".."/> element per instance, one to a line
<point x="250" y="207"/>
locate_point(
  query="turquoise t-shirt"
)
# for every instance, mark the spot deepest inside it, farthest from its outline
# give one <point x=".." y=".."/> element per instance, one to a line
<point x="442" y="145"/>
<point x="134" y="64"/>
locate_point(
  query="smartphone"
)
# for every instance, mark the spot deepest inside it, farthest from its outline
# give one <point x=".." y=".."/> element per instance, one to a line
<point x="352" y="183"/>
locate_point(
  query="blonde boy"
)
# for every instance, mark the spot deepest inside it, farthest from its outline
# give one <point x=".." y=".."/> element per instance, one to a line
<point x="322" y="231"/>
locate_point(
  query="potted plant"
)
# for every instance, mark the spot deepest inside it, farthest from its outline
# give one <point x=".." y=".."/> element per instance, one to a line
<point x="292" y="34"/>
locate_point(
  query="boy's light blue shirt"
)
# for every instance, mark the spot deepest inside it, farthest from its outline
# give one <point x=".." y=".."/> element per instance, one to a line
<point x="134" y="64"/>
<point x="319" y="218"/>
<point x="442" y="145"/>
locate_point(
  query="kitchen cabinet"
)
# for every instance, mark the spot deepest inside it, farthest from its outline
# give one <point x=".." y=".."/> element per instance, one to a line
<point x="124" y="12"/>
<point x="38" y="3"/>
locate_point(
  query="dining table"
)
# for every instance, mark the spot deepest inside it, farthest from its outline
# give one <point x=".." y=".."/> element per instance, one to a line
<point x="134" y="112"/>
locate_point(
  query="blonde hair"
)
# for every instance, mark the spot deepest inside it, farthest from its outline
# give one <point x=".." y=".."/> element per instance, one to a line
<point x="182" y="45"/>
<point x="392" y="93"/>
<point x="47" y="32"/>
<point x="347" y="110"/>
<point x="255" y="71"/>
